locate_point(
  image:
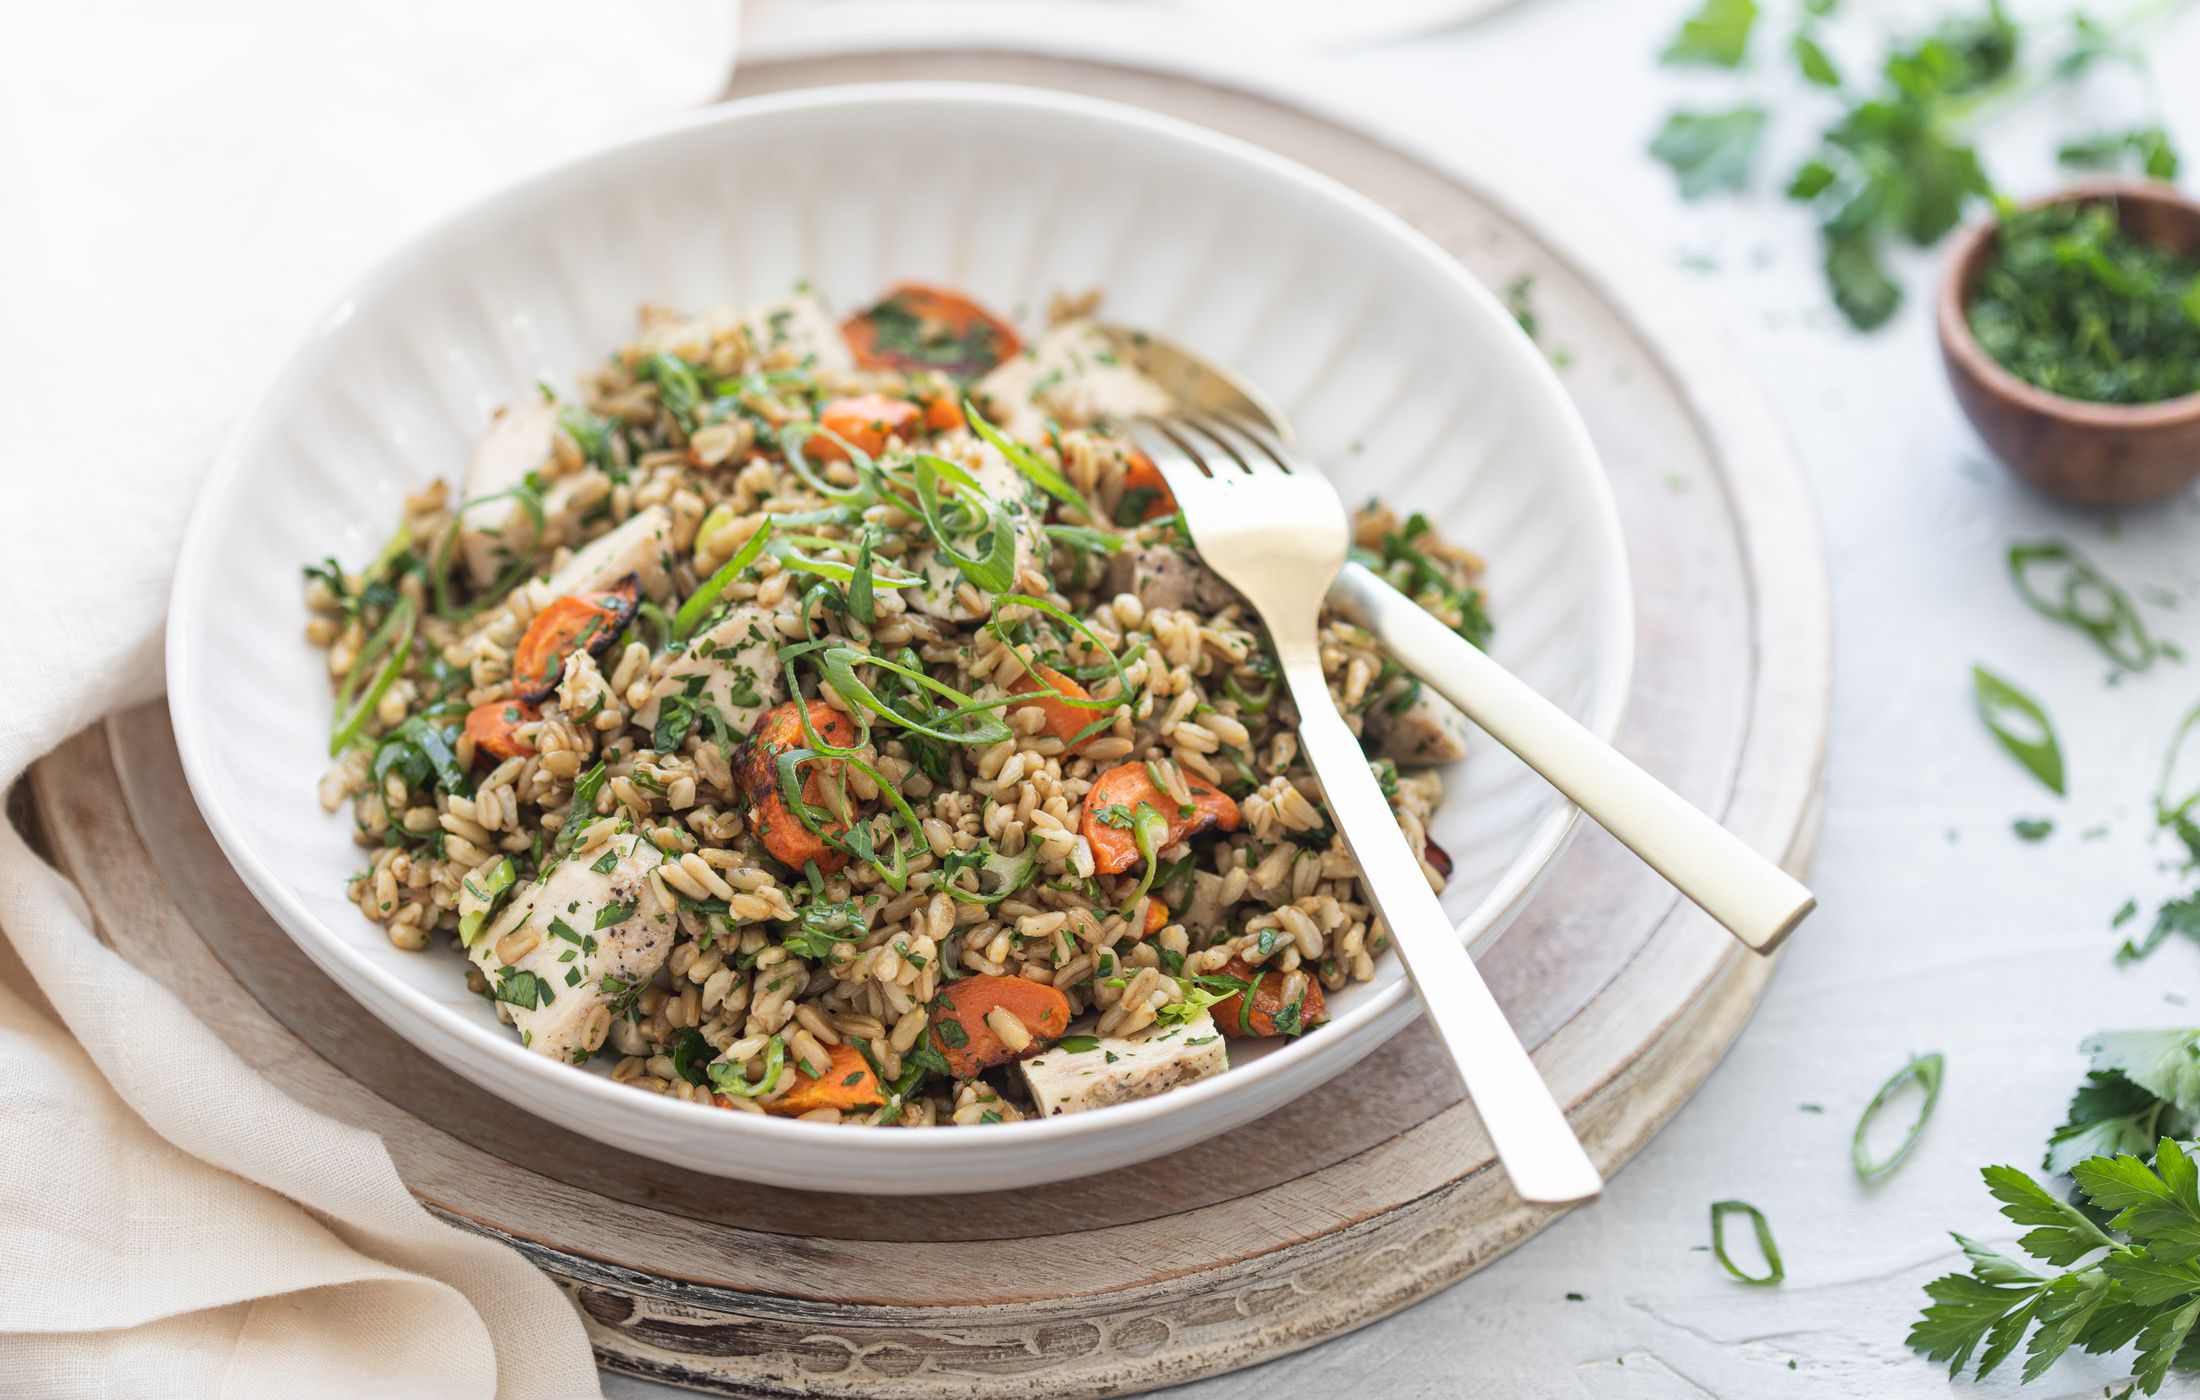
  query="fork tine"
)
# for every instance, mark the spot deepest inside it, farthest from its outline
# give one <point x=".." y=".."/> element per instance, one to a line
<point x="1222" y="455"/>
<point x="1181" y="462"/>
<point x="1252" y="449"/>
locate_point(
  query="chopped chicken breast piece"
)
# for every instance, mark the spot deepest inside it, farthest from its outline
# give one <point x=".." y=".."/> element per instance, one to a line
<point x="734" y="666"/>
<point x="1429" y="729"/>
<point x="1072" y="375"/>
<point x="493" y="533"/>
<point x="1168" y="576"/>
<point x="597" y="931"/>
<point x="643" y="545"/>
<point x="1119" y="1069"/>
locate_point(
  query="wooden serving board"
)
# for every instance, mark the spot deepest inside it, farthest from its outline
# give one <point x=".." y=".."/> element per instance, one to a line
<point x="1356" y="1200"/>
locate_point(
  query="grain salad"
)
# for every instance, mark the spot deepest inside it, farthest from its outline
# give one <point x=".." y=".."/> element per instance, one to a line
<point x="831" y="719"/>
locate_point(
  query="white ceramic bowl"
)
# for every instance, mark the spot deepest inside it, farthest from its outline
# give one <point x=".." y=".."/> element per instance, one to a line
<point x="1401" y="373"/>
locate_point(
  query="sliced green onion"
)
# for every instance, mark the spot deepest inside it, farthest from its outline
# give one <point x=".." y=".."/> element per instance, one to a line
<point x="660" y="622"/>
<point x="996" y="571"/>
<point x="837" y="664"/>
<point x="1029" y="463"/>
<point x="1150" y="831"/>
<point x="1922" y="1070"/>
<point x="2167" y="812"/>
<point x="529" y="495"/>
<point x="2086" y="599"/>
<point x="795" y="436"/>
<point x="1251" y="704"/>
<point x="786" y="549"/>
<point x="391" y="553"/>
<point x="677" y="388"/>
<point x="862" y="595"/>
<point x="500" y="879"/>
<point x="698" y="606"/>
<point x="580" y="812"/>
<point x="733" y="1079"/>
<point x="1774" y="1272"/>
<point x="1115" y="664"/>
<point x="859" y="846"/>
<point x="1008" y="874"/>
<point x="387" y="649"/>
<point x="2038" y="751"/>
<point x="1084" y="537"/>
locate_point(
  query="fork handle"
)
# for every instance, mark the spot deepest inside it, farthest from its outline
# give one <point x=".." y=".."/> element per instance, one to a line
<point x="1538" y="1148"/>
<point x="1757" y="901"/>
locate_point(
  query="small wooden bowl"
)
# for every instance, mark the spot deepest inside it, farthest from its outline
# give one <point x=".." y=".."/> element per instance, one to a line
<point x="2086" y="454"/>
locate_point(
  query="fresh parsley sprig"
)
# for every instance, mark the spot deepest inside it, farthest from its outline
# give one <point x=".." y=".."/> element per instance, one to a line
<point x="1897" y="162"/>
<point x="2139" y="1284"/>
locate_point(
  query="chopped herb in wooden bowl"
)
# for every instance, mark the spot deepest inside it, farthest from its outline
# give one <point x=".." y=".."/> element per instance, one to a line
<point x="2068" y="330"/>
<point x="2076" y="306"/>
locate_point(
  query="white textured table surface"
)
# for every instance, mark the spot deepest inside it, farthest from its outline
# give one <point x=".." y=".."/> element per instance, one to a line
<point x="1939" y="929"/>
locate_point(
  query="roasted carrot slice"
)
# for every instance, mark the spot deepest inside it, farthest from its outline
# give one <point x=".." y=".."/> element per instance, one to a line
<point x="847" y="1083"/>
<point x="1118" y="794"/>
<point x="1063" y="721"/>
<point x="490" y="726"/>
<point x="868" y="421"/>
<point x="942" y="414"/>
<point x="1157" y="915"/>
<point x="576" y="622"/>
<point x="959" y="1030"/>
<point x="918" y="326"/>
<point x="1145" y="493"/>
<point x="757" y="768"/>
<point x="1269" y="1014"/>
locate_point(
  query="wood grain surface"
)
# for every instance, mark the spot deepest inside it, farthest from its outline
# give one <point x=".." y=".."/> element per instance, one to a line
<point x="1354" y="1201"/>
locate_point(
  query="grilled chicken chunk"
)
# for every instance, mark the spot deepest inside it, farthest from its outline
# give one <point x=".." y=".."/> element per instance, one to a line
<point x="1119" y="1069"/>
<point x="1428" y="730"/>
<point x="597" y="932"/>
<point x="643" y="545"/>
<point x="796" y="334"/>
<point x="734" y="666"/>
<point x="1071" y="375"/>
<point x="1168" y="576"/>
<point x="493" y="533"/>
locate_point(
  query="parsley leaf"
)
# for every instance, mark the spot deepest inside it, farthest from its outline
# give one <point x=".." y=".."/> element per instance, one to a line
<point x="2109" y="1114"/>
<point x="522" y="989"/>
<point x="1716" y="36"/>
<point x="2143" y="1287"/>
<point x="1710" y="150"/>
<point x="2164" y="1063"/>
<point x="2149" y="146"/>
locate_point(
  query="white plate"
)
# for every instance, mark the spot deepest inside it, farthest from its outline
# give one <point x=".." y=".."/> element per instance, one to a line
<point x="1402" y="374"/>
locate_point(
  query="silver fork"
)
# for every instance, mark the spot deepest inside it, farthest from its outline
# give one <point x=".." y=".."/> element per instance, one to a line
<point x="1276" y="530"/>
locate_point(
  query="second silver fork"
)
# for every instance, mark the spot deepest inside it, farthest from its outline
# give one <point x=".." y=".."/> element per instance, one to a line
<point x="1279" y="535"/>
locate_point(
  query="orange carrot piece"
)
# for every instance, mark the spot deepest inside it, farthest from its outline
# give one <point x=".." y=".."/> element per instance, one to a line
<point x="1063" y="721"/>
<point x="917" y="326"/>
<point x="847" y="1083"/>
<point x="576" y="622"/>
<point x="867" y="420"/>
<point x="1268" y="1004"/>
<point x="942" y="414"/>
<point x="757" y="767"/>
<point x="1145" y="488"/>
<point x="1129" y="786"/>
<point x="1157" y="915"/>
<point x="490" y="726"/>
<point x="959" y="1030"/>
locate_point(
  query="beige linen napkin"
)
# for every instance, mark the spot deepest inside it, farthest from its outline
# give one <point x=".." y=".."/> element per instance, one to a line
<point x="186" y="187"/>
